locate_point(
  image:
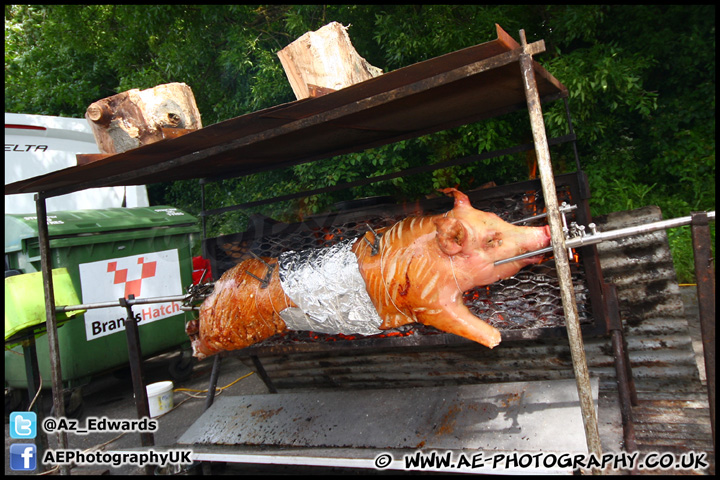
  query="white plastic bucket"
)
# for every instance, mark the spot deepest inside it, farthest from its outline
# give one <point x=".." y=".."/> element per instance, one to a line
<point x="160" y="398"/>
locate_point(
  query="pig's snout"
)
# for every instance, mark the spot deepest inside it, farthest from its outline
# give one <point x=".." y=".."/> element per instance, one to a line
<point x="546" y="237"/>
<point x="543" y="237"/>
<point x="536" y="238"/>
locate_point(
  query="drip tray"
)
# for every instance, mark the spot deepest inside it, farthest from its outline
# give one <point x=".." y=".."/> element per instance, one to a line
<point x="530" y="416"/>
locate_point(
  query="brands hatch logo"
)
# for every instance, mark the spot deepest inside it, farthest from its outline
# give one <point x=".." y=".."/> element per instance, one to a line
<point x="132" y="287"/>
<point x="146" y="275"/>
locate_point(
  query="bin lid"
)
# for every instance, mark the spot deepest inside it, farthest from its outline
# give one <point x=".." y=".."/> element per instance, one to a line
<point x="25" y="300"/>
<point x="19" y="227"/>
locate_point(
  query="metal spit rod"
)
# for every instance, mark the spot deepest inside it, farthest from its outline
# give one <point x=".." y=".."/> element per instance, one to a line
<point x="598" y="237"/>
<point x="589" y="239"/>
<point x="564" y="208"/>
<point x="117" y="303"/>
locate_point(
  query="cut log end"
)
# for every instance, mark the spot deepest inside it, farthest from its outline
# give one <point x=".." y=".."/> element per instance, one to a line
<point x="323" y="61"/>
<point x="139" y="117"/>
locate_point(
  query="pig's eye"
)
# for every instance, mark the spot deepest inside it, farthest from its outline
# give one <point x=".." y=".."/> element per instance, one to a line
<point x="493" y="241"/>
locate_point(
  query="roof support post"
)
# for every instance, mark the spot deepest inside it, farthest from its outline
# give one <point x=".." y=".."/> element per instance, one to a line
<point x="705" y="278"/>
<point x="147" y="439"/>
<point x="51" y="319"/>
<point x="562" y="262"/>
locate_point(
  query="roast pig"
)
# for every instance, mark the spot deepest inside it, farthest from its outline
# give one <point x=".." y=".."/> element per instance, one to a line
<point x="413" y="271"/>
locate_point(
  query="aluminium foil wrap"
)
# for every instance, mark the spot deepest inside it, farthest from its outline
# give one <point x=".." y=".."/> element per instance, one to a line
<point x="326" y="285"/>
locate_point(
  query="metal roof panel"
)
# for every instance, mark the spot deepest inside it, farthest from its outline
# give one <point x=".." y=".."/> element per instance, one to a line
<point x="447" y="91"/>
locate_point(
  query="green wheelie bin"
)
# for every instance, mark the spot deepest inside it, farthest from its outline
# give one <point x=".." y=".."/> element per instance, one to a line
<point x="108" y="254"/>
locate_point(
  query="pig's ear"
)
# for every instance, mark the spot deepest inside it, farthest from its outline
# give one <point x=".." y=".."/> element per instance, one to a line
<point x="451" y="235"/>
<point x="461" y="200"/>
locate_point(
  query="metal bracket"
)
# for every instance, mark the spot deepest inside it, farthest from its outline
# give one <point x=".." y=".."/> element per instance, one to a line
<point x="198" y="293"/>
<point x="264" y="282"/>
<point x="375" y="245"/>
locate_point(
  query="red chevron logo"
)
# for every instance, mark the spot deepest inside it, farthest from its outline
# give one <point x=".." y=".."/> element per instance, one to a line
<point x="132" y="287"/>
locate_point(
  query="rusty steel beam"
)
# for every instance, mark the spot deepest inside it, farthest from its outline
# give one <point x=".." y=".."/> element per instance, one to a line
<point x="300" y="124"/>
<point x="705" y="278"/>
<point x="562" y="262"/>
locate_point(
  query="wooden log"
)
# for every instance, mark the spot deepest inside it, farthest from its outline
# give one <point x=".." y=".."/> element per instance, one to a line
<point x="85" y="158"/>
<point x="138" y="117"/>
<point x="323" y="61"/>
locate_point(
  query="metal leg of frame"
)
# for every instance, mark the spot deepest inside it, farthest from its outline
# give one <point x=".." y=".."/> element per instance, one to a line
<point x="623" y="372"/>
<point x="136" y="368"/>
<point x="263" y="374"/>
<point x="51" y="319"/>
<point x="147" y="439"/>
<point x="213" y="381"/>
<point x="562" y="263"/>
<point x="705" y="278"/>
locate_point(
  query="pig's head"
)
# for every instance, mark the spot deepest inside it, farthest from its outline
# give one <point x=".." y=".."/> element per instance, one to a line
<point x="426" y="263"/>
<point x="476" y="240"/>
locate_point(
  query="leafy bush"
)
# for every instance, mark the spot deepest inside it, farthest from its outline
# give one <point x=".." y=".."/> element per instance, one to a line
<point x="641" y="81"/>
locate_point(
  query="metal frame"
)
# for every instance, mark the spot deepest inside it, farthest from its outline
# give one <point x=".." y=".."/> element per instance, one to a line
<point x="541" y="146"/>
<point x="54" y="348"/>
<point x="524" y="57"/>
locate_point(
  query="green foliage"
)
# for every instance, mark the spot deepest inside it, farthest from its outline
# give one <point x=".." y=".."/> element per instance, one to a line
<point x="641" y="81"/>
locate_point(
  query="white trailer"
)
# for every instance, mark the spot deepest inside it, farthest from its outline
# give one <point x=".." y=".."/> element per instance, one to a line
<point x="39" y="144"/>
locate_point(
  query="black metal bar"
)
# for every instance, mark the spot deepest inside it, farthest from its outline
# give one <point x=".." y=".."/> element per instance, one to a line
<point x="623" y="391"/>
<point x="51" y="320"/>
<point x="572" y="132"/>
<point x="260" y="370"/>
<point x="213" y="382"/>
<point x="136" y="369"/>
<point x="588" y="255"/>
<point x="389" y="176"/>
<point x="582" y="180"/>
<point x="203" y="220"/>
<point x="705" y="278"/>
<point x="623" y="372"/>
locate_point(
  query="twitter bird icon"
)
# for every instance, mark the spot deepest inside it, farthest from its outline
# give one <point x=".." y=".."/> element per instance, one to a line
<point x="23" y="425"/>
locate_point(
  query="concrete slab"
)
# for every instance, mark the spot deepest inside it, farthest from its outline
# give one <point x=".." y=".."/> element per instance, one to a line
<point x="520" y="416"/>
